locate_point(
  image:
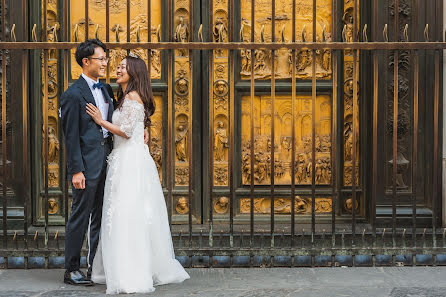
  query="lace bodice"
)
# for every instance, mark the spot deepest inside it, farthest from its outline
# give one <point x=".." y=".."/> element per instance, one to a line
<point x="130" y="118"/>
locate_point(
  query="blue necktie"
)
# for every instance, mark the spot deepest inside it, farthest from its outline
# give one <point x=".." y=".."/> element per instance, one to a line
<point x="97" y="85"/>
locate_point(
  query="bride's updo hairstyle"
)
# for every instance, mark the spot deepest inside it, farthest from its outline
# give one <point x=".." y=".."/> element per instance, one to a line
<point x="139" y="81"/>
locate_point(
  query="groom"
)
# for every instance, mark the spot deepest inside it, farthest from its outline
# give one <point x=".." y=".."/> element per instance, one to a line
<point x="87" y="147"/>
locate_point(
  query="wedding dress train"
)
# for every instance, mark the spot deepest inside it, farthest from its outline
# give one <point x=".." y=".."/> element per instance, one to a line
<point x="135" y="251"/>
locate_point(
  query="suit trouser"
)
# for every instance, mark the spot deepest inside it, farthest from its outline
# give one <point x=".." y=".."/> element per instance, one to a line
<point x="86" y="212"/>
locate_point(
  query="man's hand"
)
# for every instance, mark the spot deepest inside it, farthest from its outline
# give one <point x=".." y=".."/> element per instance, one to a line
<point x="78" y="180"/>
<point x="146" y="136"/>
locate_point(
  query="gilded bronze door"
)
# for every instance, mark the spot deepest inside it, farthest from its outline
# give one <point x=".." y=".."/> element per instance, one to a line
<point x="175" y="136"/>
<point x="236" y="129"/>
<point x="202" y="130"/>
<point x="270" y="110"/>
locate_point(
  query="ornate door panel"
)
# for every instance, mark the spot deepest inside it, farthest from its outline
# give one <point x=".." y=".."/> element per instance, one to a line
<point x="184" y="188"/>
<point x="256" y="124"/>
<point x="176" y="142"/>
<point x="184" y="141"/>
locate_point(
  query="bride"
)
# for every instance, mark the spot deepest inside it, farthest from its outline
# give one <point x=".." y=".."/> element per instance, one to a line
<point x="135" y="251"/>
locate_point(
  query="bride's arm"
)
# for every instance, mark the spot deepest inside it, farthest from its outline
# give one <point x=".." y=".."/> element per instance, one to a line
<point x="95" y="113"/>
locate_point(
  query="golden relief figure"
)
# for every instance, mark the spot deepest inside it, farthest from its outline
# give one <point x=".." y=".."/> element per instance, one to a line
<point x="283" y="21"/>
<point x="220" y="30"/>
<point x="53" y="146"/>
<point x="220" y="142"/>
<point x="181" y="142"/>
<point x="181" y="32"/>
<point x="282" y="140"/>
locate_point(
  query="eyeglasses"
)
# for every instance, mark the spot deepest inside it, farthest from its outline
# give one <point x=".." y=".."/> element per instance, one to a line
<point x="101" y="59"/>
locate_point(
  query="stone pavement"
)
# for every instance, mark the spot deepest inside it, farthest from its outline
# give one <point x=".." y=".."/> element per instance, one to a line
<point x="254" y="282"/>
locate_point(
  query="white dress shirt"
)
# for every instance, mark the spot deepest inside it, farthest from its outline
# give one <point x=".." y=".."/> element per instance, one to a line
<point x="100" y="101"/>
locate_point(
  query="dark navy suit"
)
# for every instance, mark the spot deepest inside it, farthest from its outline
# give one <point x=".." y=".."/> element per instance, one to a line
<point x="87" y="150"/>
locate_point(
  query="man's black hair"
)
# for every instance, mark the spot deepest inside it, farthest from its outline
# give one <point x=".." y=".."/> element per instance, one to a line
<point x="86" y="49"/>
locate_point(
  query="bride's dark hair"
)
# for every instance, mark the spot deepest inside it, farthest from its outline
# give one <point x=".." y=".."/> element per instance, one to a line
<point x="139" y="81"/>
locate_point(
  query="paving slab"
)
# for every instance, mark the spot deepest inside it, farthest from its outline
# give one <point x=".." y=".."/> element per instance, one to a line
<point x="252" y="282"/>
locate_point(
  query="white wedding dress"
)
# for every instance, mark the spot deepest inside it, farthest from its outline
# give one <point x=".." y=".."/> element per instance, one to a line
<point x="135" y="251"/>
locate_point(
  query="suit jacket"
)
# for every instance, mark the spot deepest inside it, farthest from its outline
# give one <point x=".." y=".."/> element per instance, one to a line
<point x="84" y="140"/>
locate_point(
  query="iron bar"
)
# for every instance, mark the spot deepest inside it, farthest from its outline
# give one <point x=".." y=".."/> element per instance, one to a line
<point x="190" y="126"/>
<point x="395" y="124"/>
<point x="375" y="123"/>
<point x="273" y="96"/>
<point x="334" y="130"/>
<point x="127" y="24"/>
<point x="128" y="20"/>
<point x="415" y="132"/>
<point x="87" y="18"/>
<point x="107" y="38"/>
<point x="211" y="126"/>
<point x="170" y="109"/>
<point x="438" y="19"/>
<point x="149" y="51"/>
<point x="45" y="142"/>
<point x="251" y="240"/>
<point x="25" y="126"/>
<point x="436" y="162"/>
<point x="313" y="133"/>
<point x="231" y="158"/>
<point x="293" y="132"/>
<point x="45" y="126"/>
<point x="374" y="189"/>
<point x="415" y="148"/>
<point x="355" y="122"/>
<point x="4" y="140"/>
<point x="107" y="22"/>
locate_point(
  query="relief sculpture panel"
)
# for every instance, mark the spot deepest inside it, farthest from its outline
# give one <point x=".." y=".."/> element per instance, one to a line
<point x="53" y="27"/>
<point x="182" y="94"/>
<point x="405" y="106"/>
<point x="50" y="109"/>
<point x="139" y="24"/>
<point x="282" y="140"/>
<point x="283" y="26"/>
<point x="302" y="205"/>
<point x="220" y="95"/>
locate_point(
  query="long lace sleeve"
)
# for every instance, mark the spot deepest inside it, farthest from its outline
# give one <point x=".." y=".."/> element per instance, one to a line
<point x="132" y="112"/>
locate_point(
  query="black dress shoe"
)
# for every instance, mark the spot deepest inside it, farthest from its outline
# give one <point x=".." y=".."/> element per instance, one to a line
<point x="76" y="278"/>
